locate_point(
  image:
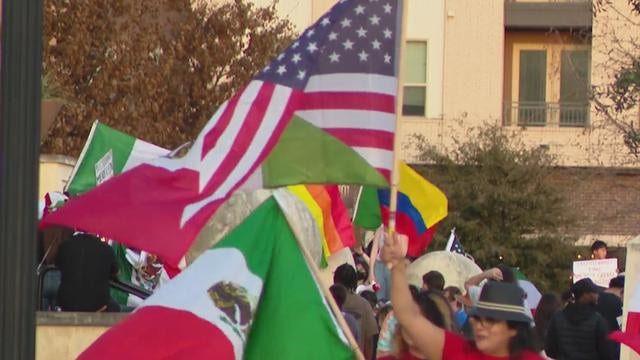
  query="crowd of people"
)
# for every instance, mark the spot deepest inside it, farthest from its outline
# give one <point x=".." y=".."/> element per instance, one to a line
<point x="488" y="319"/>
<point x="388" y="318"/>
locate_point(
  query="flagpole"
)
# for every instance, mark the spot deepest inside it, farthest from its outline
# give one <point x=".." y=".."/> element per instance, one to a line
<point x="82" y="155"/>
<point x="357" y="205"/>
<point x="327" y="295"/>
<point x="395" y="176"/>
<point x="325" y="291"/>
<point x="452" y="237"/>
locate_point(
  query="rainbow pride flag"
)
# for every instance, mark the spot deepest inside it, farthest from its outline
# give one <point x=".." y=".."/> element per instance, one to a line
<point x="421" y="206"/>
<point x="330" y="213"/>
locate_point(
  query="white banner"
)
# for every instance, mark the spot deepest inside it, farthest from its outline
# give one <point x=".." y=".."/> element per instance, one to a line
<point x="600" y="271"/>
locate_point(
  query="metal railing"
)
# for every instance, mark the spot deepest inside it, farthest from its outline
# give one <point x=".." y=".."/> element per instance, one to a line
<point x="546" y="114"/>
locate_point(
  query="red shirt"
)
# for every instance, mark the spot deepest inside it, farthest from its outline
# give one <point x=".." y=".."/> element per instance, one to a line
<point x="456" y="348"/>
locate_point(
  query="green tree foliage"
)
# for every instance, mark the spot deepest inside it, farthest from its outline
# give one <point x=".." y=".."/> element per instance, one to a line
<point x="502" y="204"/>
<point x="156" y="69"/>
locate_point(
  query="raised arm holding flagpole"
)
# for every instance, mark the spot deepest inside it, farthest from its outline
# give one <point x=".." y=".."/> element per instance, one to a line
<point x="395" y="174"/>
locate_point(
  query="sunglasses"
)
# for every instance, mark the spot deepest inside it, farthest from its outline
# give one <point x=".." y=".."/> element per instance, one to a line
<point x="484" y="321"/>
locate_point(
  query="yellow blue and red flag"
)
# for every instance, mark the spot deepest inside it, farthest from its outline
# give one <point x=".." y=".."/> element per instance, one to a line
<point x="421" y="206"/>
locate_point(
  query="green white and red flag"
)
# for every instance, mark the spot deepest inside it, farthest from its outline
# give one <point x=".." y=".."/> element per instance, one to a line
<point x="251" y="296"/>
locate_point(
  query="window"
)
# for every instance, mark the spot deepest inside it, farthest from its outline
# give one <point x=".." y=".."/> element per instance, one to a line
<point x="533" y="85"/>
<point x="414" y="102"/>
<point x="574" y="87"/>
<point x="550" y="84"/>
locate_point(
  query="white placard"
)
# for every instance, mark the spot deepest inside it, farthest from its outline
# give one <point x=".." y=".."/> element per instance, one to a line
<point x="600" y="271"/>
<point x="104" y="168"/>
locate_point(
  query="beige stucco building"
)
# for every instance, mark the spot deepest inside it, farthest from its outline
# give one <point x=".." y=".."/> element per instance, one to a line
<point x="528" y="65"/>
<point x="524" y="64"/>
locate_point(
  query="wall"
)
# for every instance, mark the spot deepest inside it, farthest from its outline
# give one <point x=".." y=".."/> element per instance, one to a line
<point x="474" y="36"/>
<point x="64" y="335"/>
<point x="54" y="172"/>
<point x="320" y="7"/>
<point x="425" y="22"/>
<point x="65" y="342"/>
<point x="594" y="146"/>
<point x="472" y="74"/>
<point x="606" y="202"/>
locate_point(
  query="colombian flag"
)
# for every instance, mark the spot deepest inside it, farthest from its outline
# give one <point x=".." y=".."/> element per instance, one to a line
<point x="421" y="206"/>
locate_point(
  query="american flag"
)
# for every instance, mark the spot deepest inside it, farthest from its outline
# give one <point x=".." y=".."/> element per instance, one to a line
<point x="340" y="75"/>
<point x="454" y="244"/>
<point x="457" y="247"/>
<point x="343" y="68"/>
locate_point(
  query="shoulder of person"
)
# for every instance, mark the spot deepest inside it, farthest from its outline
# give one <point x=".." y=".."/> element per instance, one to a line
<point x="359" y="300"/>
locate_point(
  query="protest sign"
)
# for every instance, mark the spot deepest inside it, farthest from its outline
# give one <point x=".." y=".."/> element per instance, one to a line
<point x="600" y="271"/>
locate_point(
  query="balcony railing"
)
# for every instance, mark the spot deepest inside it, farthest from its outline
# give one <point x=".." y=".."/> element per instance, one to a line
<point x="546" y="114"/>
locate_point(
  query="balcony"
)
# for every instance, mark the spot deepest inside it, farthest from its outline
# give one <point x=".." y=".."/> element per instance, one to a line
<point x="544" y="15"/>
<point x="546" y="114"/>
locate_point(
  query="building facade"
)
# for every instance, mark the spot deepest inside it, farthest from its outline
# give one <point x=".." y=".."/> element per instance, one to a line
<point x="528" y="65"/>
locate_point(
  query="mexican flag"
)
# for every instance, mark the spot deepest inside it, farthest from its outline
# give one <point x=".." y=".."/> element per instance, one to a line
<point x="108" y="152"/>
<point x="250" y="296"/>
<point x="131" y="269"/>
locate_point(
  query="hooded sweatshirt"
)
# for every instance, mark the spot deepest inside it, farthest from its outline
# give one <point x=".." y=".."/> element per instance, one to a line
<point x="578" y="333"/>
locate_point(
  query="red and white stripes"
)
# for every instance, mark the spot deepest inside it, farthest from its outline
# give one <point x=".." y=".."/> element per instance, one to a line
<point x="237" y="140"/>
<point x="358" y="109"/>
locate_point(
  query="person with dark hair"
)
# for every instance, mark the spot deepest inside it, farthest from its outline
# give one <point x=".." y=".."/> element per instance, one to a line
<point x="362" y="269"/>
<point x="610" y="306"/>
<point x="578" y="331"/>
<point x="371" y="298"/>
<point x="500" y="324"/>
<point x="414" y="291"/>
<point x="437" y="306"/>
<point x="433" y="280"/>
<point x="599" y="250"/>
<point x="433" y="306"/>
<point x="454" y="297"/>
<point x="345" y="275"/>
<point x="339" y="294"/>
<point x="86" y="264"/>
<point x="610" y="302"/>
<point x="547" y="307"/>
<point x="507" y="274"/>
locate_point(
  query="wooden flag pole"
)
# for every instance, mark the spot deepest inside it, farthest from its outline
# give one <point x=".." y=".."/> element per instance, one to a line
<point x="325" y="291"/>
<point x="330" y="300"/>
<point x="395" y="175"/>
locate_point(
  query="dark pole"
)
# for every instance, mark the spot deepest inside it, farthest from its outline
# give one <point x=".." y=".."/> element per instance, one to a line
<point x="19" y="158"/>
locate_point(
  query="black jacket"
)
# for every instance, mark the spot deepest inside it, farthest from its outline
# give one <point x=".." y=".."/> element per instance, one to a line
<point x="610" y="307"/>
<point x="578" y="333"/>
<point x="86" y="264"/>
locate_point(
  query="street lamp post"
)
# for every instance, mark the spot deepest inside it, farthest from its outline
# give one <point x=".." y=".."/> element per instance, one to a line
<point x="20" y="76"/>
